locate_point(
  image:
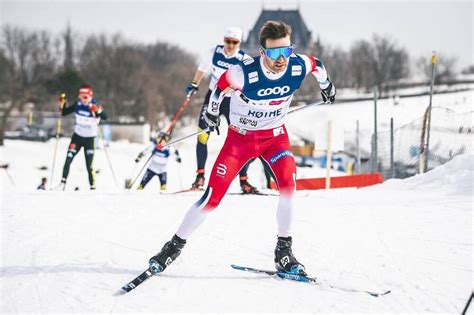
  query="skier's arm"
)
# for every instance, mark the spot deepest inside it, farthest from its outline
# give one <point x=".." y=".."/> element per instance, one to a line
<point x="102" y="115"/>
<point x="145" y="152"/>
<point x="203" y="68"/>
<point x="68" y="109"/>
<point x="230" y="81"/>
<point x="318" y="70"/>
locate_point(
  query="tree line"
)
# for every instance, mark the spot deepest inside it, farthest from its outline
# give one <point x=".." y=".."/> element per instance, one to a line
<point x="141" y="82"/>
<point x="382" y="63"/>
<point x="134" y="81"/>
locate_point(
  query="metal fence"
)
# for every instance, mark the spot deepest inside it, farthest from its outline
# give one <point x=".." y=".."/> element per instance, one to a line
<point x="398" y="149"/>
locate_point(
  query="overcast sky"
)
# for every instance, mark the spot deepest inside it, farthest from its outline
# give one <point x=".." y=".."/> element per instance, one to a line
<point x="419" y="26"/>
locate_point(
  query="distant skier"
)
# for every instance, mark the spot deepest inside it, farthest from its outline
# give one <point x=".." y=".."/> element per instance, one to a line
<point x="217" y="61"/>
<point x="88" y="115"/>
<point x="159" y="161"/>
<point x="261" y="91"/>
<point x="42" y="186"/>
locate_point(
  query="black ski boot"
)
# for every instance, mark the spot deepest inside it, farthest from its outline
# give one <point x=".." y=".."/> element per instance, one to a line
<point x="246" y="187"/>
<point x="199" y="182"/>
<point x="167" y="255"/>
<point x="284" y="259"/>
<point x="63" y="184"/>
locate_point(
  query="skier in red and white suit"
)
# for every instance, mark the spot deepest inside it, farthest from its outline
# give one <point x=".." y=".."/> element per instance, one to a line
<point x="261" y="92"/>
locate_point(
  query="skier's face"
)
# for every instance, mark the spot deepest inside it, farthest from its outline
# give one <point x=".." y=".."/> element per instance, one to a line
<point x="85" y="98"/>
<point x="279" y="64"/>
<point x="231" y="45"/>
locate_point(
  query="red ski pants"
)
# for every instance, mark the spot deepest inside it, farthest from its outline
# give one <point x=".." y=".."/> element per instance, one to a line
<point x="239" y="147"/>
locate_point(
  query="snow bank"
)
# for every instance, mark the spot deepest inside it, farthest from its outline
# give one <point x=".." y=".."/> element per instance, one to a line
<point x="456" y="177"/>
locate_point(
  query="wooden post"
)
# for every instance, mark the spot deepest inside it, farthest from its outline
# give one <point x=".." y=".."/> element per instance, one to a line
<point x="427" y="150"/>
<point x="375" y="148"/>
<point x="392" y="158"/>
<point x="359" y="167"/>
<point x="329" y="156"/>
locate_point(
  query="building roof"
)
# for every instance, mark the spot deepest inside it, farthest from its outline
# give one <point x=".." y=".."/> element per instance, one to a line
<point x="300" y="36"/>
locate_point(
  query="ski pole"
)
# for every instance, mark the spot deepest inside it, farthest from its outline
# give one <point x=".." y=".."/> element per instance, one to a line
<point x="185" y="103"/>
<point x="197" y="133"/>
<point x="9" y="177"/>
<point x="164" y="146"/>
<point x="295" y="109"/>
<point x="169" y="130"/>
<point x="107" y="155"/>
<point x="63" y="100"/>
<point x="139" y="173"/>
<point x="209" y="129"/>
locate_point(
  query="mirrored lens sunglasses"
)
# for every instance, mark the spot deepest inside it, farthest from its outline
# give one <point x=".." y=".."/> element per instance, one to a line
<point x="276" y="52"/>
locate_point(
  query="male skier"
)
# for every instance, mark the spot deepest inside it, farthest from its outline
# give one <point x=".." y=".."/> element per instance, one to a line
<point x="88" y="115"/>
<point x="261" y="91"/>
<point x="217" y="61"/>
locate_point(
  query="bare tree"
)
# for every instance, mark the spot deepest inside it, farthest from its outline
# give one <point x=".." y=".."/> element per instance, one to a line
<point x="379" y="63"/>
<point x="134" y="80"/>
<point x="361" y="64"/>
<point x="29" y="65"/>
<point x="445" y="68"/>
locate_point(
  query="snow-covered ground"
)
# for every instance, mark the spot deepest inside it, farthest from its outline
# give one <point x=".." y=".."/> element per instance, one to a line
<point x="70" y="251"/>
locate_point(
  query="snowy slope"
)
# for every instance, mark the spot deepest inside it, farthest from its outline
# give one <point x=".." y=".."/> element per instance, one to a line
<point x="70" y="251"/>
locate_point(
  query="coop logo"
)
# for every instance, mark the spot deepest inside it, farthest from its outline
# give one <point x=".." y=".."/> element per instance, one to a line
<point x="223" y="64"/>
<point x="277" y="90"/>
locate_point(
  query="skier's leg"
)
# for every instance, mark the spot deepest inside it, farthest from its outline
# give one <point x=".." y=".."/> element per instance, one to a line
<point x="163" y="179"/>
<point x="268" y="173"/>
<point x="246" y="187"/>
<point x="201" y="145"/>
<point x="89" y="151"/>
<point x="232" y="157"/>
<point x="283" y="166"/>
<point x="281" y="162"/>
<point x="74" y="147"/>
<point x="146" y="178"/>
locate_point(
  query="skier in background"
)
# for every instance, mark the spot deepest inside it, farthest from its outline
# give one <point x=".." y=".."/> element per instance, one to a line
<point x="42" y="185"/>
<point x="159" y="161"/>
<point x="261" y="91"/>
<point x="88" y="115"/>
<point x="217" y="61"/>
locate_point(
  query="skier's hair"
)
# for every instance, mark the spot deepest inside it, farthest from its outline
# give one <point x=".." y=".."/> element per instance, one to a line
<point x="274" y="30"/>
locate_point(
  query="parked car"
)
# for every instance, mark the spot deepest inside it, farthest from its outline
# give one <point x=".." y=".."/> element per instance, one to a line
<point x="30" y="133"/>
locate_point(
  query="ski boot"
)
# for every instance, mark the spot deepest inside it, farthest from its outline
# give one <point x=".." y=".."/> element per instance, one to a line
<point x="199" y="182"/>
<point x="285" y="261"/>
<point x="246" y="187"/>
<point x="170" y="251"/>
<point x="63" y="184"/>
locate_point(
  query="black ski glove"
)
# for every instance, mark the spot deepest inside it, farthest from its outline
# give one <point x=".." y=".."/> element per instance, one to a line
<point x="212" y="122"/>
<point x="329" y="94"/>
